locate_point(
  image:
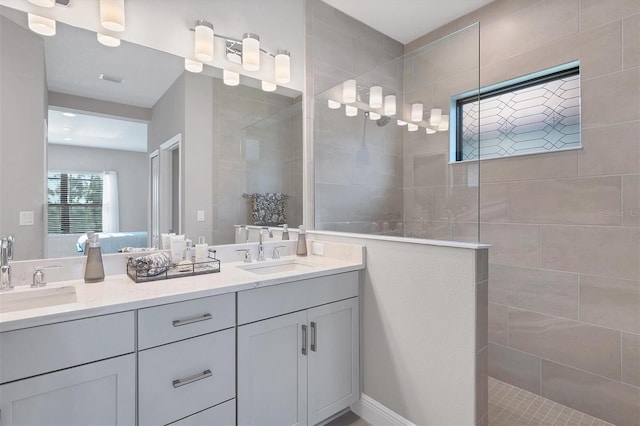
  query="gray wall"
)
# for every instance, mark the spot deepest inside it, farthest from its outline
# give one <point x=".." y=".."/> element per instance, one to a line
<point x="133" y="177"/>
<point x="23" y="105"/>
<point x="564" y="290"/>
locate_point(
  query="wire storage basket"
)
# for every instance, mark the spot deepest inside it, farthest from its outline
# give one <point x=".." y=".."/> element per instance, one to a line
<point x="140" y="275"/>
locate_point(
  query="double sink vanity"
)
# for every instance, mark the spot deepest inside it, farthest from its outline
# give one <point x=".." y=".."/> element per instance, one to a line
<point x="273" y="342"/>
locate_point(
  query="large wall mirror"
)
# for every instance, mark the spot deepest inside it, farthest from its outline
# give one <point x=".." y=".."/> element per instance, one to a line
<point x="125" y="142"/>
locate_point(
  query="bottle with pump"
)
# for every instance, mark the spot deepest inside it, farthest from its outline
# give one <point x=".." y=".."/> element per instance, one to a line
<point x="302" y="243"/>
<point x="285" y="232"/>
<point x="94" y="269"/>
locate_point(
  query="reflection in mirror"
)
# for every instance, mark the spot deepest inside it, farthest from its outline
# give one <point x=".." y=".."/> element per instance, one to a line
<point x="127" y="102"/>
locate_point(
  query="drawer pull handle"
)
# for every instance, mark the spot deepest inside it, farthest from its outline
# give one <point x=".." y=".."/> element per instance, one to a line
<point x="314" y="332"/>
<point x="205" y="317"/>
<point x="181" y="382"/>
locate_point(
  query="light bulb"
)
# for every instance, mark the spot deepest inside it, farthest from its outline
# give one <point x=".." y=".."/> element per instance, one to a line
<point x="390" y="105"/>
<point x="417" y="111"/>
<point x="333" y="104"/>
<point x="41" y="25"/>
<point x="112" y="14"/>
<point x="108" y="40"/>
<point x="412" y="127"/>
<point x="251" y="52"/>
<point x="375" y="96"/>
<point x="204" y="41"/>
<point x="230" y="78"/>
<point x="436" y="114"/>
<point x="268" y="87"/>
<point x="350" y="111"/>
<point x="444" y="123"/>
<point x="374" y="116"/>
<point x="192" y="66"/>
<point x="283" y="66"/>
<point x="349" y="91"/>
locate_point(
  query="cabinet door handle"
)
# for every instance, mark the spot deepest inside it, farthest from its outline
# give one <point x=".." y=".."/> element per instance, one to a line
<point x="304" y="339"/>
<point x="314" y="332"/>
<point x="205" y="317"/>
<point x="181" y="382"/>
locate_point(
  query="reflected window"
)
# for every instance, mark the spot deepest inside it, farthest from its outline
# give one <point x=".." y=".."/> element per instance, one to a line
<point x="74" y="202"/>
<point x="540" y="113"/>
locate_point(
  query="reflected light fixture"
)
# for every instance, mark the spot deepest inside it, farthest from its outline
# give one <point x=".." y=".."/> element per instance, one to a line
<point x="43" y="3"/>
<point x="108" y="40"/>
<point x="333" y="104"/>
<point x="283" y="66"/>
<point x="444" y="123"/>
<point x="402" y="123"/>
<point x="112" y="14"/>
<point x="390" y="105"/>
<point x="251" y="52"/>
<point x="417" y="110"/>
<point x="350" y="111"/>
<point x="230" y="78"/>
<point x="436" y="114"/>
<point x="268" y="87"/>
<point x="374" y="116"/>
<point x="430" y="131"/>
<point x="204" y="40"/>
<point x="412" y="127"/>
<point x="375" y="96"/>
<point x="41" y="25"/>
<point x="349" y="91"/>
<point x="192" y="66"/>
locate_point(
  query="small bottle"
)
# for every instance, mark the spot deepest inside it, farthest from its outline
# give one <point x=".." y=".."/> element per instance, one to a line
<point x="302" y="243"/>
<point x="202" y="250"/>
<point x="188" y="251"/>
<point x="94" y="269"/>
<point x="285" y="232"/>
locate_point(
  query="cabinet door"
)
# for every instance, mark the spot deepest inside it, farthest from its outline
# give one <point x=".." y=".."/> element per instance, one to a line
<point x="101" y="393"/>
<point x="334" y="374"/>
<point x="272" y="371"/>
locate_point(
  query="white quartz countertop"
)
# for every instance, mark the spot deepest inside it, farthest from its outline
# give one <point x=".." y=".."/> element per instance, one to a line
<point x="119" y="293"/>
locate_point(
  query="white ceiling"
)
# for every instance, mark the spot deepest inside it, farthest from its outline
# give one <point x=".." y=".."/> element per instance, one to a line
<point x="406" y="20"/>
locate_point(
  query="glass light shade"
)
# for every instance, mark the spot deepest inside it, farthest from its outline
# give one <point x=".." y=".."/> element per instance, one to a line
<point x="375" y="96"/>
<point x="390" y="105"/>
<point x="192" y="66"/>
<point x="112" y="14"/>
<point x="268" y="87"/>
<point x="417" y="110"/>
<point x="444" y="123"/>
<point x="204" y="41"/>
<point x="350" y="111"/>
<point x="333" y="104"/>
<point x="283" y="66"/>
<point x="230" y="78"/>
<point x="108" y="40"/>
<point x="43" y="3"/>
<point x="402" y="123"/>
<point x="251" y="52"/>
<point x="430" y="131"/>
<point x="412" y="127"/>
<point x="349" y="91"/>
<point x="41" y="25"/>
<point x="436" y="114"/>
<point x="374" y="116"/>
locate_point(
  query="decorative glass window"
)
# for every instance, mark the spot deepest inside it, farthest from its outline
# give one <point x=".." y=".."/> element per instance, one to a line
<point x="539" y="114"/>
<point x="74" y="202"/>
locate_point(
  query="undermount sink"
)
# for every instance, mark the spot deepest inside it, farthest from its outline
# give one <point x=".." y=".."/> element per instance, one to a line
<point x="32" y="298"/>
<point x="277" y="266"/>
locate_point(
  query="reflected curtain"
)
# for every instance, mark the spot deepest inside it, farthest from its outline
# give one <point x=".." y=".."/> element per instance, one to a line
<point x="110" y="208"/>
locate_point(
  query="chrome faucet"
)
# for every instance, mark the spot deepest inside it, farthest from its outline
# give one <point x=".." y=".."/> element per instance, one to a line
<point x="5" y="269"/>
<point x="260" y="246"/>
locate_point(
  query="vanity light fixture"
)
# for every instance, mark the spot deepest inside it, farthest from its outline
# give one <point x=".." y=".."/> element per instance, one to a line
<point x="390" y="105"/>
<point x="41" y="25"/>
<point x="230" y="78"/>
<point x="349" y="91"/>
<point x="417" y="110"/>
<point x="204" y="40"/>
<point x="375" y="96"/>
<point x="412" y="127"/>
<point x="112" y="15"/>
<point x="251" y="52"/>
<point x="108" y="40"/>
<point x="269" y="87"/>
<point x="444" y="123"/>
<point x="192" y="66"/>
<point x="283" y="66"/>
<point x="401" y="123"/>
<point x="333" y="104"/>
<point x="436" y="115"/>
<point x="374" y="116"/>
<point x="350" y="111"/>
<point x="43" y="3"/>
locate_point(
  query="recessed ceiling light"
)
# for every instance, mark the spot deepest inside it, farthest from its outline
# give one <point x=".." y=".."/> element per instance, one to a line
<point x="68" y="114"/>
<point x="68" y="139"/>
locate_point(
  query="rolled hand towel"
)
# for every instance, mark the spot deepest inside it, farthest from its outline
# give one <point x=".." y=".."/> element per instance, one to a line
<point x="151" y="265"/>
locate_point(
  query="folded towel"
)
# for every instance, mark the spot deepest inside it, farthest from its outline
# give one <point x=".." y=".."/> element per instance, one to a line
<point x="268" y="209"/>
<point x="151" y="265"/>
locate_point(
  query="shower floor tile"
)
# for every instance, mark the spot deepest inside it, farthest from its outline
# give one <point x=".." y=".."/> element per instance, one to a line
<point x="512" y="406"/>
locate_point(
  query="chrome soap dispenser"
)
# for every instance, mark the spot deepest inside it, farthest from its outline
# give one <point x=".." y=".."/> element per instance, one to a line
<point x="93" y="270"/>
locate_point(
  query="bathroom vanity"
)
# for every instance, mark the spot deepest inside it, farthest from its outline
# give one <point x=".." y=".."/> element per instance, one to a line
<point x="269" y="344"/>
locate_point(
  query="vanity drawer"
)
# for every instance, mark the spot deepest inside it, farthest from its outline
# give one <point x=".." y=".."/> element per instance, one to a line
<point x="220" y="415"/>
<point x="37" y="350"/>
<point x="176" y="321"/>
<point x="177" y="380"/>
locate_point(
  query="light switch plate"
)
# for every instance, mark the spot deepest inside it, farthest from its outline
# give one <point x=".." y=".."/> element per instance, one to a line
<point x="26" y="218"/>
<point x="317" y="249"/>
<point x="200" y="215"/>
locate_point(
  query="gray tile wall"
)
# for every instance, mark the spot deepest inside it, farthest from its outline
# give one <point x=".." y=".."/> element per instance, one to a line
<point x="564" y="285"/>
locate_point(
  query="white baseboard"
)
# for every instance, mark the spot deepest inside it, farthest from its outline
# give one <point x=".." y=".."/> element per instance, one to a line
<point x="377" y="414"/>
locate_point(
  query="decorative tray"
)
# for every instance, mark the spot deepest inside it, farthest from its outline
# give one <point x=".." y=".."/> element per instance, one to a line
<point x="209" y="266"/>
